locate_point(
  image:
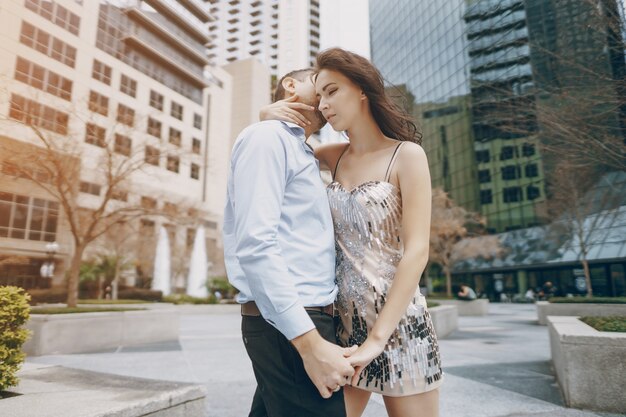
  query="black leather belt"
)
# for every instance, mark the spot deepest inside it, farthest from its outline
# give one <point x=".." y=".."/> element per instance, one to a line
<point x="250" y="309"/>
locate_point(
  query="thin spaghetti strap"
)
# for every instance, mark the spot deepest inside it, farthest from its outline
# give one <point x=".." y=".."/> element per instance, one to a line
<point x="339" y="159"/>
<point x="393" y="159"/>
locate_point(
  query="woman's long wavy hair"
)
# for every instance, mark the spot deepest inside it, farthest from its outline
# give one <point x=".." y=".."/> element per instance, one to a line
<point x="391" y="119"/>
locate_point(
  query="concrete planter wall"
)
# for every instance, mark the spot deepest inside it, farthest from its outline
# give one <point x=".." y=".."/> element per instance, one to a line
<point x="91" y="332"/>
<point x="545" y="309"/>
<point x="445" y="320"/>
<point x="478" y="307"/>
<point x="590" y="365"/>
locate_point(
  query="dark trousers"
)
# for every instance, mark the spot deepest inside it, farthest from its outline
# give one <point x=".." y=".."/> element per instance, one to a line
<point x="283" y="386"/>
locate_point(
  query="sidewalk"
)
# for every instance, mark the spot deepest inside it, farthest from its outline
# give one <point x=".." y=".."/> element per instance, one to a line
<point x="497" y="365"/>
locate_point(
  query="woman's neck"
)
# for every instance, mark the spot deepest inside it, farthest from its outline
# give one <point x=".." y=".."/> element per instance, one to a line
<point x="365" y="135"/>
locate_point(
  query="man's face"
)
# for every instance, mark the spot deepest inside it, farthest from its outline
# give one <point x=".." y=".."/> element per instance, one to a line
<point x="306" y="94"/>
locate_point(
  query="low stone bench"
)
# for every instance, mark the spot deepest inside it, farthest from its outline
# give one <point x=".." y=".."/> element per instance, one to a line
<point x="445" y="320"/>
<point x="56" y="391"/>
<point x="92" y="332"/>
<point x="479" y="307"/>
<point x="590" y="365"/>
<point x="546" y="308"/>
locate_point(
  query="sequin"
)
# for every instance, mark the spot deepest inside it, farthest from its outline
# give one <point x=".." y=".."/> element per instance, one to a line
<point x="367" y="223"/>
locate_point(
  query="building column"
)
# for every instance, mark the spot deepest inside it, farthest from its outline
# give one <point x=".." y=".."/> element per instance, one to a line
<point x="522" y="281"/>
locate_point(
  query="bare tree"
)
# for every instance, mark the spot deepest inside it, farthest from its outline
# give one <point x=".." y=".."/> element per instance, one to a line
<point x="55" y="164"/>
<point x="451" y="235"/>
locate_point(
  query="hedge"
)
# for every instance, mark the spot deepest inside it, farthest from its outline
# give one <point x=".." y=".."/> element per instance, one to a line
<point x="14" y="313"/>
<point x="606" y="324"/>
<point x="589" y="300"/>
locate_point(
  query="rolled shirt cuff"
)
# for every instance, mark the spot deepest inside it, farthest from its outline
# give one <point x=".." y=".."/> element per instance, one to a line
<point x="293" y="322"/>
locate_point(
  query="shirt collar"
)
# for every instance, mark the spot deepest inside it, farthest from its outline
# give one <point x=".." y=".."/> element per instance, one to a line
<point x="298" y="132"/>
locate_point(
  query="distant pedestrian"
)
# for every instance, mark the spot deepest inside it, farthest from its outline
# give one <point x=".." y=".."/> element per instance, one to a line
<point x="466" y="293"/>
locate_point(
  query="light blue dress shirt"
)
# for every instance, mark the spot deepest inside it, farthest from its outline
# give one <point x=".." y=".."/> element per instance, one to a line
<point x="279" y="244"/>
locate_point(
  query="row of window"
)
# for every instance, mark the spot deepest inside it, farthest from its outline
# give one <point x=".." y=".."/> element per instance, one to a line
<point x="102" y="73"/>
<point x="42" y="79"/>
<point x="24" y="217"/>
<point x="33" y="113"/>
<point x="47" y="44"/>
<point x="96" y="135"/>
<point x="511" y="172"/>
<point x="511" y="194"/>
<point x="55" y="13"/>
<point x="175" y="135"/>
<point x="506" y="152"/>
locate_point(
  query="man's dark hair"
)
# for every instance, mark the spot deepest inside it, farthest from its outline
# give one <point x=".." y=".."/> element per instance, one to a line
<point x="299" y="75"/>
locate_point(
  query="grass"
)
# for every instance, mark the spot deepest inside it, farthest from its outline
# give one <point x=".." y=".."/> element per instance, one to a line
<point x="588" y="300"/>
<point x="96" y="302"/>
<point x="606" y="324"/>
<point x="68" y="310"/>
<point x="431" y="305"/>
<point x="187" y="299"/>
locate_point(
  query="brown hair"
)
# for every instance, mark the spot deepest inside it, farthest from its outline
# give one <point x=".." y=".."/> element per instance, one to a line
<point x="392" y="120"/>
<point x="299" y="75"/>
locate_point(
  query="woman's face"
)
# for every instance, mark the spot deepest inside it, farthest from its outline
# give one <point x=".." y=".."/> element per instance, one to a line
<point x="341" y="101"/>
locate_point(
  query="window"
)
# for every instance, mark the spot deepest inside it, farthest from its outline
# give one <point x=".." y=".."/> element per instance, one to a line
<point x="195" y="146"/>
<point x="119" y="195"/>
<point x="156" y="100"/>
<point x="152" y="155"/>
<point x="89" y="188"/>
<point x="197" y="121"/>
<point x="532" y="192"/>
<point x="95" y="135"/>
<point x="123" y="144"/>
<point x="128" y="86"/>
<point x="510" y="172"/>
<point x="98" y="103"/>
<point x="175" y="136"/>
<point x="47" y="45"/>
<point x="101" y="72"/>
<point x="508" y="152"/>
<point x="528" y="149"/>
<point x="33" y="113"/>
<point x="125" y="115"/>
<point x="532" y="170"/>
<point x="173" y="163"/>
<point x="177" y="111"/>
<point x="148" y="203"/>
<point x="484" y="176"/>
<point x="39" y="77"/>
<point x="23" y="217"/>
<point x="482" y="156"/>
<point x="486" y="197"/>
<point x="195" y="171"/>
<point x="511" y="194"/>
<point x="55" y="13"/>
<point x="154" y="127"/>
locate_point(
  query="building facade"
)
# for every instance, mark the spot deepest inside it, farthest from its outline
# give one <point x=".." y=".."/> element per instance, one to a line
<point x="479" y="72"/>
<point x="127" y="76"/>
<point x="282" y="34"/>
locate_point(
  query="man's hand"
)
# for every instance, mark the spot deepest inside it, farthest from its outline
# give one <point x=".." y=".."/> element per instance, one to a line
<point x="287" y="110"/>
<point x="324" y="362"/>
<point x="363" y="356"/>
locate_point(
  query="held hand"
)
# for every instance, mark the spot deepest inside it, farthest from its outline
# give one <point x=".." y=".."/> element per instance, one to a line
<point x="365" y="354"/>
<point x="324" y="362"/>
<point x="287" y="110"/>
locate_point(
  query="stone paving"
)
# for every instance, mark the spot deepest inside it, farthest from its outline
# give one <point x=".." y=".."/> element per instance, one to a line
<point x="496" y="365"/>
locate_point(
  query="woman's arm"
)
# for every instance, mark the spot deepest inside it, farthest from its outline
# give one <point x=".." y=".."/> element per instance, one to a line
<point x="287" y="110"/>
<point x="415" y="187"/>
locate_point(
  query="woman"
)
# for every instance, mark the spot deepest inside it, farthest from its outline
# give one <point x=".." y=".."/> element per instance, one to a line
<point x="380" y="201"/>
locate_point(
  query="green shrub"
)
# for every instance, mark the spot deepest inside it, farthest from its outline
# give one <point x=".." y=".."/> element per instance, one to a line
<point x="584" y="300"/>
<point x="606" y="324"/>
<point x="67" y="310"/>
<point x="431" y="305"/>
<point x="13" y="315"/>
<point x="187" y="299"/>
<point x="222" y="285"/>
<point x="119" y="301"/>
<point x="47" y="296"/>
<point x="132" y="293"/>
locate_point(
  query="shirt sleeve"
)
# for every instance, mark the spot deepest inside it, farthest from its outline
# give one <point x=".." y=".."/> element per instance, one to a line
<point x="259" y="170"/>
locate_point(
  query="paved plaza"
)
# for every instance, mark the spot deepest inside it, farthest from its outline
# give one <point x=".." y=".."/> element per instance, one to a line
<point x="497" y="365"/>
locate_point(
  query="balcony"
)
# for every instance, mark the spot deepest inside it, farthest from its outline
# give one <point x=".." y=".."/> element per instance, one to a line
<point x="185" y="45"/>
<point x="195" y="77"/>
<point x="197" y="9"/>
<point x="195" y="29"/>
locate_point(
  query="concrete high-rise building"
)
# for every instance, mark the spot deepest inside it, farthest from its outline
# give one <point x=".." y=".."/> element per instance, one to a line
<point x="282" y="34"/>
<point x="126" y="75"/>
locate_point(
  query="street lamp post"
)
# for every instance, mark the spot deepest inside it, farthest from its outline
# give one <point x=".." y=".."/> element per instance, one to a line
<point x="47" y="268"/>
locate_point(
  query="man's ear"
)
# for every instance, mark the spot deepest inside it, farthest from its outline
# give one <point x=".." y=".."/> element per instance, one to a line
<point x="289" y="84"/>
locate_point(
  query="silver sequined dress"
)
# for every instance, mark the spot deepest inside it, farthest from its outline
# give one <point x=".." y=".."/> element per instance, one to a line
<point x="367" y="223"/>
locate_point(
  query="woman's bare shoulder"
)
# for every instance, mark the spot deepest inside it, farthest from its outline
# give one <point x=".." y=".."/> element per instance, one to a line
<point x="329" y="153"/>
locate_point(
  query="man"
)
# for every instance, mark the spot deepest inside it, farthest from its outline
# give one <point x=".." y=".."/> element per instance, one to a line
<point x="280" y="254"/>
